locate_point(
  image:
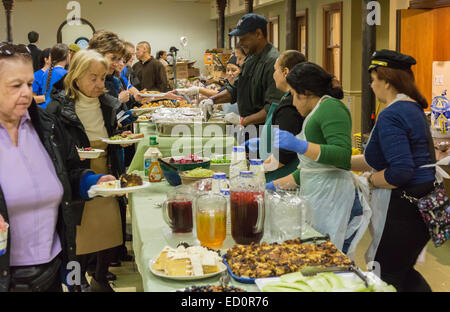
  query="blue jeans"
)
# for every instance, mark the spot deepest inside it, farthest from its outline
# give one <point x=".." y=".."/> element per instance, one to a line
<point x="357" y="210"/>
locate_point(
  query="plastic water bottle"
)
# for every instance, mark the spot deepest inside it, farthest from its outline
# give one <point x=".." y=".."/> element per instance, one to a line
<point x="238" y="161"/>
<point x="257" y="167"/>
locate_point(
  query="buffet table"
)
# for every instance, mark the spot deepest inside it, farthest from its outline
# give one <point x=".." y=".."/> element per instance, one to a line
<point x="167" y="143"/>
<point x="151" y="235"/>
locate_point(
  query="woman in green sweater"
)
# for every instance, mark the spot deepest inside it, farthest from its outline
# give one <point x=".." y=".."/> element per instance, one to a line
<point x="324" y="147"/>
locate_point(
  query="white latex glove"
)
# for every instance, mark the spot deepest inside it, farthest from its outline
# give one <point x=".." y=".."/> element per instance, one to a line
<point x="124" y="96"/>
<point x="233" y="118"/>
<point x="189" y="91"/>
<point x="207" y="106"/>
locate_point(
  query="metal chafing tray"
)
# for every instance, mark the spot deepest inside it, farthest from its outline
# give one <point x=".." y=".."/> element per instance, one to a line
<point x="212" y="128"/>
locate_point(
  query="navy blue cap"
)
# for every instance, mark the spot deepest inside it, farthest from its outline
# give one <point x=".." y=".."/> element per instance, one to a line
<point x="391" y="59"/>
<point x="249" y="22"/>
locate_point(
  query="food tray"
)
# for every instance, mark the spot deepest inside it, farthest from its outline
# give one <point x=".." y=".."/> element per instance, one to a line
<point x="243" y="280"/>
<point x="165" y="129"/>
<point x="222" y="268"/>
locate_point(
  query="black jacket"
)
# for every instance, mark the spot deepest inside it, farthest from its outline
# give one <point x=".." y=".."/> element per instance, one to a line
<point x="35" y="54"/>
<point x="63" y="108"/>
<point x="68" y="168"/>
<point x="289" y="119"/>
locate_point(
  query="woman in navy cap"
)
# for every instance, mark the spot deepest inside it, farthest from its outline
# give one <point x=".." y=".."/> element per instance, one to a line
<point x="400" y="144"/>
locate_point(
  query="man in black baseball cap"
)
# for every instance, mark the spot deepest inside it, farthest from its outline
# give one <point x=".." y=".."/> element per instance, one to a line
<point x="254" y="90"/>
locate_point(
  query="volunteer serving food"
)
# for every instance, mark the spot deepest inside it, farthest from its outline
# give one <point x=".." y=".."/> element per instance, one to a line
<point x="254" y="89"/>
<point x="40" y="156"/>
<point x="324" y="148"/>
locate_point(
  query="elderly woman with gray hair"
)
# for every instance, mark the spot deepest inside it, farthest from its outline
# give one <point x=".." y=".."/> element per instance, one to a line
<point x="40" y="177"/>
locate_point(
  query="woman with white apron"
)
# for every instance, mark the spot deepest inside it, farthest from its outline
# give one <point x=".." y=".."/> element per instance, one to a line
<point x="399" y="146"/>
<point x="324" y="148"/>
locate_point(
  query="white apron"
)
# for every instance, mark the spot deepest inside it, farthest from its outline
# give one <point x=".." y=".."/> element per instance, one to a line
<point x="379" y="203"/>
<point x="330" y="192"/>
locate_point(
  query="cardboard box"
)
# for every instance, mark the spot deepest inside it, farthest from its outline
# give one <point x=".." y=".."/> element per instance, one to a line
<point x="182" y="71"/>
<point x="194" y="72"/>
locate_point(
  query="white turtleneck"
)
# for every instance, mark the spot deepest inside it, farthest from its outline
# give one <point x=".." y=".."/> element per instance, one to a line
<point x="90" y="114"/>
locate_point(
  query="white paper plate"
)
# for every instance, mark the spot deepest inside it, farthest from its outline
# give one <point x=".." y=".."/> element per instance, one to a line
<point x="222" y="268"/>
<point x="95" y="153"/>
<point x="119" y="191"/>
<point x="156" y="95"/>
<point x="121" y="142"/>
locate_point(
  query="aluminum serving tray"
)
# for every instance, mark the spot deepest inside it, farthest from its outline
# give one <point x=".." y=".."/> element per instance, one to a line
<point x="194" y="129"/>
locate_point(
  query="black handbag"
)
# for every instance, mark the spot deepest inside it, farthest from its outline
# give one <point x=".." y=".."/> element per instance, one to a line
<point x="434" y="207"/>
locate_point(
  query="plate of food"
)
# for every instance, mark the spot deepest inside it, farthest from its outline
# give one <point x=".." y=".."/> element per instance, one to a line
<point x="89" y="152"/>
<point x="124" y="139"/>
<point x="298" y="255"/>
<point x="185" y="264"/>
<point x="152" y="94"/>
<point x="127" y="183"/>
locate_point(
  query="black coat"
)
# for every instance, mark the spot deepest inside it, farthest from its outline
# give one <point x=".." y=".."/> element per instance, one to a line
<point x="68" y="168"/>
<point x="63" y="108"/>
<point x="36" y="55"/>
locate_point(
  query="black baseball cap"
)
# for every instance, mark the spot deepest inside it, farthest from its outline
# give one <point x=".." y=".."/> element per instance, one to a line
<point x="391" y="59"/>
<point x="248" y="23"/>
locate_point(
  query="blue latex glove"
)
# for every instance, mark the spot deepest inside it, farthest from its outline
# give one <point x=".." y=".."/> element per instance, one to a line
<point x="252" y="144"/>
<point x="270" y="186"/>
<point x="287" y="141"/>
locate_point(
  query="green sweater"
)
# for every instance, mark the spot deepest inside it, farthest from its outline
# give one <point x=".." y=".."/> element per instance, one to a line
<point x="331" y="127"/>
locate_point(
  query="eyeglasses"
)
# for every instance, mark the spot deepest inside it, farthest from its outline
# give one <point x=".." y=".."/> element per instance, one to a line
<point x="8" y="49"/>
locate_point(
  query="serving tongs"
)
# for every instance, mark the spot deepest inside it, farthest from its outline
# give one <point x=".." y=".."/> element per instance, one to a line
<point x="168" y="165"/>
<point x="311" y="271"/>
<point x="315" y="239"/>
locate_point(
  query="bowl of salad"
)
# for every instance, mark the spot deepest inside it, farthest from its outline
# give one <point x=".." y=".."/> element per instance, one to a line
<point x="189" y="177"/>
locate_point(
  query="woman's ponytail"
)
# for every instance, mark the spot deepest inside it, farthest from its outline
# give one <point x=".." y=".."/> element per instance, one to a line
<point x="311" y="78"/>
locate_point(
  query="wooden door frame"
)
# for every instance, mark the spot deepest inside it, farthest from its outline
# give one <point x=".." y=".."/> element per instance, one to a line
<point x="304" y="13"/>
<point x="270" y="28"/>
<point x="337" y="6"/>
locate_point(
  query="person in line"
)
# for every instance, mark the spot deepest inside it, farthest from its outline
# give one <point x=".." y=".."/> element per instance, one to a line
<point x="233" y="70"/>
<point x="283" y="115"/>
<point x="88" y="114"/>
<point x="254" y="90"/>
<point x="324" y="148"/>
<point x="36" y="148"/>
<point x="59" y="56"/>
<point x="73" y="49"/>
<point x="162" y="57"/>
<point x="127" y="74"/>
<point x="150" y="72"/>
<point x="33" y="38"/>
<point x="44" y="63"/>
<point x="400" y="144"/>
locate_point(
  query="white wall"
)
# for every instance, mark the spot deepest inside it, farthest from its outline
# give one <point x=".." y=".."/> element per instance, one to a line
<point x="161" y="22"/>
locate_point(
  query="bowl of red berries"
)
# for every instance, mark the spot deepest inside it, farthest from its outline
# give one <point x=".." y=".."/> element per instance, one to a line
<point x="188" y="162"/>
